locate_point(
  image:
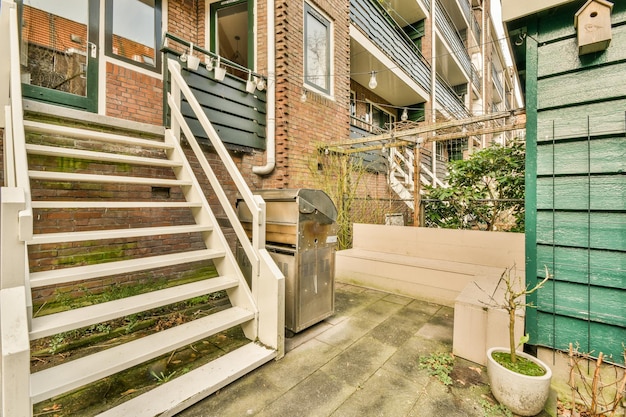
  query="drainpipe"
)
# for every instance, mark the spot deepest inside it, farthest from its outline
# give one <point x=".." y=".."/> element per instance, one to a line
<point x="271" y="95"/>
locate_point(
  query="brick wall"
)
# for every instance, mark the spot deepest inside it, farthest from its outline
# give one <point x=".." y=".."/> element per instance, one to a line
<point x="132" y="95"/>
<point x="137" y="96"/>
<point x="301" y="126"/>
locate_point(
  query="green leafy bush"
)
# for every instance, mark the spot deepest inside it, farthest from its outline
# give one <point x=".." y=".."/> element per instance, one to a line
<point x="484" y="191"/>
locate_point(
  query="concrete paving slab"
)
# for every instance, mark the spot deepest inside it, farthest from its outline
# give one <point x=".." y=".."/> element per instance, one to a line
<point x="406" y="359"/>
<point x="395" y="331"/>
<point x="384" y="395"/>
<point x="349" y="302"/>
<point x="438" y="400"/>
<point x="346" y="332"/>
<point x="300" y="363"/>
<point x="398" y="299"/>
<point x="247" y="396"/>
<point x="317" y="396"/>
<point x="379" y="310"/>
<point x="357" y="363"/>
<point x="364" y="361"/>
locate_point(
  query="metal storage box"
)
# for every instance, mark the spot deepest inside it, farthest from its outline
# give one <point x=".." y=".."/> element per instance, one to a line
<point x="301" y="236"/>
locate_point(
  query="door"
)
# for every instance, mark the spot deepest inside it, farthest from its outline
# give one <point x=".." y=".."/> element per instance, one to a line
<point x="59" y="52"/>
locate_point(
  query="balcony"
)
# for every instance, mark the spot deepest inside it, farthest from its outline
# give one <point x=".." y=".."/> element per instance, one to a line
<point x="378" y="44"/>
<point x="456" y="66"/>
<point x="238" y="116"/>
<point x="497" y="83"/>
<point x="448" y="101"/>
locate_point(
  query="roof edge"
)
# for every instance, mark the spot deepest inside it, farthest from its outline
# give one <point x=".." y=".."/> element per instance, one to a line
<point x="515" y="9"/>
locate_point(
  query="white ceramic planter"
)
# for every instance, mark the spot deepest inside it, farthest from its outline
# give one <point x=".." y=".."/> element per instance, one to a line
<point x="524" y="395"/>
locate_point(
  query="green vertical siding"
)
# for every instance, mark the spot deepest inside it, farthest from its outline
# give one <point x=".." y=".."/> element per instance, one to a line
<point x="576" y="183"/>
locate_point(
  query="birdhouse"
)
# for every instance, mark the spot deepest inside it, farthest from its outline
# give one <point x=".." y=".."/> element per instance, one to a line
<point x="593" y="24"/>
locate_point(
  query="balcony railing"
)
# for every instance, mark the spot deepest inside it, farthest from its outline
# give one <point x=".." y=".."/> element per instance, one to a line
<point x="476" y="78"/>
<point x="496" y="81"/>
<point x="380" y="28"/>
<point x="238" y="116"/>
<point x="449" y="100"/>
<point x="451" y="35"/>
<point x="469" y="15"/>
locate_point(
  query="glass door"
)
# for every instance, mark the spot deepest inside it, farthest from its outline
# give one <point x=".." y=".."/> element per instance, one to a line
<point x="59" y="52"/>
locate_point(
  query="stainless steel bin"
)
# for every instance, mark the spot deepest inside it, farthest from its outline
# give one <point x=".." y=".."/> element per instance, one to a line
<point x="301" y="236"/>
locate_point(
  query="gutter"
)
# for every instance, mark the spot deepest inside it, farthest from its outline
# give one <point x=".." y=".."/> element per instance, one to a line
<point x="271" y="95"/>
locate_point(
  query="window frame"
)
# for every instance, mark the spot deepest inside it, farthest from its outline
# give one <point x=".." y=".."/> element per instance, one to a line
<point x="391" y="118"/>
<point x="310" y="10"/>
<point x="108" y="38"/>
<point x="218" y="5"/>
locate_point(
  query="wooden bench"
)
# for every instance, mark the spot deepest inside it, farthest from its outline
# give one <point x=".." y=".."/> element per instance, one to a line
<point x="440" y="266"/>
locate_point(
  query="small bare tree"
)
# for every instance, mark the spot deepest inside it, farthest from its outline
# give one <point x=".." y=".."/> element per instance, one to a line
<point x="514" y="299"/>
<point x="339" y="176"/>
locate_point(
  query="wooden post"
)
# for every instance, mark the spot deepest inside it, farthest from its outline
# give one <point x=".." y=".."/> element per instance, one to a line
<point x="417" y="198"/>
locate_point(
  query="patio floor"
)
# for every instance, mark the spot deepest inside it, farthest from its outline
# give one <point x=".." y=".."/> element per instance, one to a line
<point x="363" y="361"/>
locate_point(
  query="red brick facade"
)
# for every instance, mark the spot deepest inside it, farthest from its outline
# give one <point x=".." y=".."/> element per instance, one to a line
<point x="132" y="95"/>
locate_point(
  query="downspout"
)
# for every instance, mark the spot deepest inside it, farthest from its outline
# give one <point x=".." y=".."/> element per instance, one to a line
<point x="271" y="95"/>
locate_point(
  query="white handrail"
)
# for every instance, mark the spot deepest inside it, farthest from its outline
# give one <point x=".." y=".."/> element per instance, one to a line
<point x="221" y="195"/>
<point x="25" y="216"/>
<point x="258" y="242"/>
<point x="268" y="282"/>
<point x="16" y="224"/>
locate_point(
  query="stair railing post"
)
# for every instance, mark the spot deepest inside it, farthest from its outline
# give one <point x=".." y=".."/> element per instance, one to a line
<point x="12" y="248"/>
<point x="258" y="240"/>
<point x="14" y="344"/>
<point x="175" y="124"/>
<point x="15" y="347"/>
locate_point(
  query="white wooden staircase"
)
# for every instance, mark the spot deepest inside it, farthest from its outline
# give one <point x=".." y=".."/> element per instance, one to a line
<point x="402" y="171"/>
<point x="52" y="171"/>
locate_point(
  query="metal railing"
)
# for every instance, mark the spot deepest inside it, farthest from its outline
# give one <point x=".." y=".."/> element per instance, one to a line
<point x="267" y="280"/>
<point x="452" y="36"/>
<point x="380" y="28"/>
<point x="476" y="78"/>
<point x="449" y="100"/>
<point x="496" y="81"/>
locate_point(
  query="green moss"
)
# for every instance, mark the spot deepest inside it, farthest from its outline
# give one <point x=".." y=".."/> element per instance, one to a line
<point x="70" y="164"/>
<point x="522" y="366"/>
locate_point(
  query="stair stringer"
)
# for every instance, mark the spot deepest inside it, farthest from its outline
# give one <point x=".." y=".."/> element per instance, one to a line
<point x="241" y="295"/>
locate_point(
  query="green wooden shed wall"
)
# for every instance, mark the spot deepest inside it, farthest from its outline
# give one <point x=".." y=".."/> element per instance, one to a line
<point x="575" y="180"/>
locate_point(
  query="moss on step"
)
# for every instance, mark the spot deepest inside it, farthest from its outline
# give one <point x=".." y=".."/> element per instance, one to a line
<point x="97" y="397"/>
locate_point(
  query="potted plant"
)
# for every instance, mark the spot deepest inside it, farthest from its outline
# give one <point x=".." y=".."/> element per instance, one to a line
<point x="518" y="380"/>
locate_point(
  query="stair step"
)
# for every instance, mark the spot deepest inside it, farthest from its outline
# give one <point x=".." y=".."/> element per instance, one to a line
<point x="107" y="179"/>
<point x="176" y="395"/>
<point x="115" y="234"/>
<point x="98" y="156"/>
<point x="38" y="127"/>
<point x="80" y="273"/>
<point x="98" y="313"/>
<point x="77" y="204"/>
<point x="74" y="374"/>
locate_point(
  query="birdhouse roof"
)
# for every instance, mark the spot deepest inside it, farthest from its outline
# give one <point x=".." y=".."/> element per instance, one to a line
<point x="582" y="9"/>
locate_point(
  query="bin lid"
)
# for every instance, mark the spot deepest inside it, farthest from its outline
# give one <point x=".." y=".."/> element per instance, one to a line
<point x="308" y="200"/>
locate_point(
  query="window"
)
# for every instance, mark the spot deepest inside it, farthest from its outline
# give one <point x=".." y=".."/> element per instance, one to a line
<point x="317" y="49"/>
<point x="133" y="32"/>
<point x="380" y="118"/>
<point x="232" y="33"/>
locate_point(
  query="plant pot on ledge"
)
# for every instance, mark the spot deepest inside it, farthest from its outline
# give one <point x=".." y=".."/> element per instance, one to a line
<point x="524" y="395"/>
